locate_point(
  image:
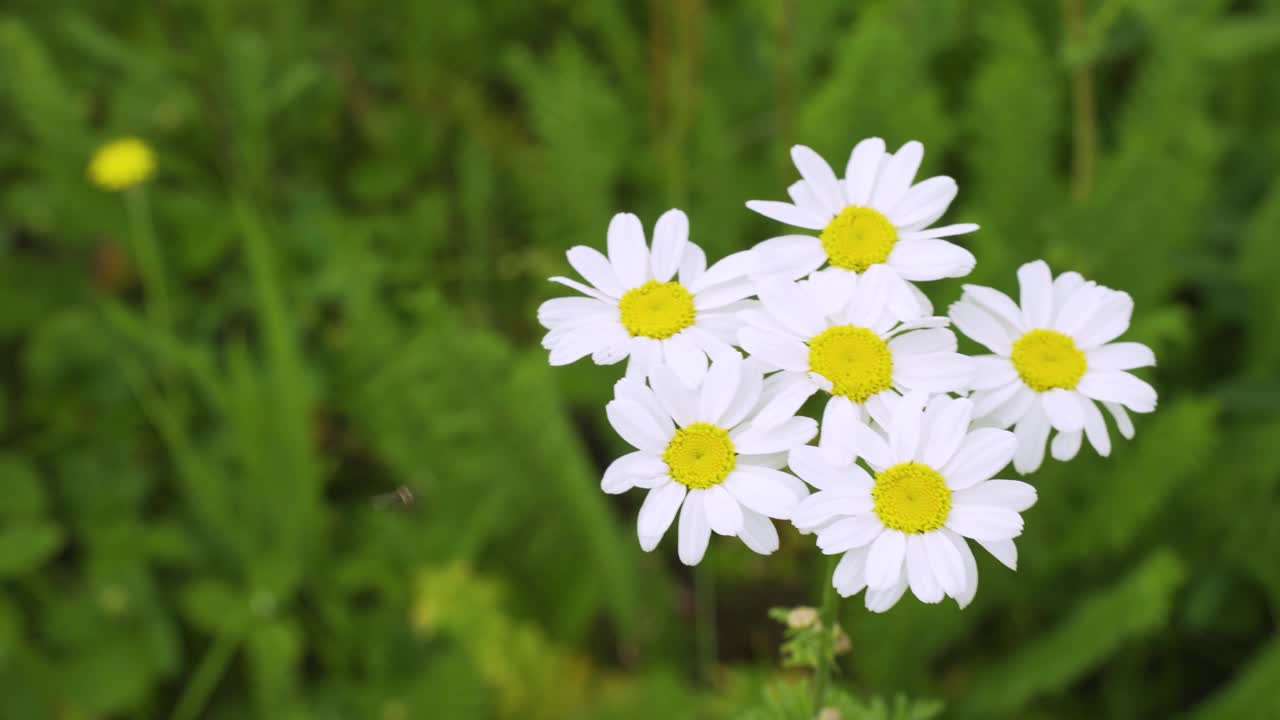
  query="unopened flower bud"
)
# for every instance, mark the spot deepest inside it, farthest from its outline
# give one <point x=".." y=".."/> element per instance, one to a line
<point x="829" y="713"/>
<point x="801" y="618"/>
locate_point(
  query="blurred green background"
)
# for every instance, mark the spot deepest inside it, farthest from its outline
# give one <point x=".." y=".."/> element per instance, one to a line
<point x="356" y="207"/>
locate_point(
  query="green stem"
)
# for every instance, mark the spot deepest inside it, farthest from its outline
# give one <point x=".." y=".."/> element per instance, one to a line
<point x="827" y="618"/>
<point x="705" y="601"/>
<point x="146" y="251"/>
<point x="195" y="696"/>
<point x="1084" y="128"/>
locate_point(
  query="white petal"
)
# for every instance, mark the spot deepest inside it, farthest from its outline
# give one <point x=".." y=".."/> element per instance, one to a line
<point x="1032" y="432"/>
<point x="561" y="310"/>
<point x="987" y="401"/>
<point x="750" y="439"/>
<point x="992" y="371"/>
<point x="946" y="562"/>
<point x="905" y="426"/>
<point x="762" y="490"/>
<point x="834" y="288"/>
<point x="657" y="512"/>
<point x="692" y="266"/>
<point x="919" y="572"/>
<point x="944" y="431"/>
<point x="862" y="169"/>
<point x="670" y="236"/>
<point x="778" y="350"/>
<point x="850" y="533"/>
<point x="788" y="214"/>
<point x="675" y="398"/>
<point x="979" y="324"/>
<point x="984" y="523"/>
<point x="883" y="600"/>
<point x="1012" y="495"/>
<point x="1081" y="310"/>
<point x="906" y="302"/>
<point x="685" y="358"/>
<point x="1095" y="428"/>
<point x="729" y="268"/>
<point x="577" y="344"/>
<point x="983" y="453"/>
<point x="745" y="397"/>
<point x="624" y="473"/>
<point x="930" y="259"/>
<point x="812" y="465"/>
<point x="937" y="232"/>
<point x="933" y="372"/>
<point x="627" y="251"/>
<point x="616" y="348"/>
<point x="1066" y="445"/>
<point x="594" y="266"/>
<point x="818" y="174"/>
<point x="873" y="448"/>
<point x="1064" y="408"/>
<point x="584" y="289"/>
<point x="1014" y="408"/>
<point x="896" y="175"/>
<point x="1123" y="423"/>
<point x="789" y="256"/>
<point x="998" y="304"/>
<point x="802" y="196"/>
<point x="793" y="305"/>
<point x="1036" y="286"/>
<point x="695" y="531"/>
<point x="839" y="440"/>
<point x="636" y="425"/>
<point x="970" y="568"/>
<point x="1120" y="356"/>
<point x="646" y="353"/>
<point x="758" y="532"/>
<point x="1003" y="550"/>
<point x="1063" y="287"/>
<point x="885" y="560"/>
<point x="933" y="340"/>
<point x="1111" y="320"/>
<point x="925" y="202"/>
<point x="850" y="576"/>
<point x="722" y="381"/>
<point x="784" y="405"/>
<point x="1118" y="387"/>
<point x="717" y="296"/>
<point x="724" y="514"/>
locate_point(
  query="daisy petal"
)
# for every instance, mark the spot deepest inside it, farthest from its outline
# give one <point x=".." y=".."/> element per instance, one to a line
<point x="695" y="531"/>
<point x="1066" y="445"/>
<point x="920" y="574"/>
<point x="980" y="325"/>
<point x="1012" y="495"/>
<point x="724" y="514"/>
<point x="896" y="175"/>
<point x="1036" y="283"/>
<point x="862" y="169"/>
<point x="685" y="358"/>
<point x="635" y="425"/>
<point x="758" y="533"/>
<point x="623" y="473"/>
<point x="673" y="396"/>
<point x="944" y="431"/>
<point x="584" y="289"/>
<point x="1095" y="428"/>
<point x="788" y="214"/>
<point x="723" y="380"/>
<point x="918" y="260"/>
<point x="670" y="236"/>
<point x="692" y="266"/>
<point x="885" y="560"/>
<point x="1120" y="356"/>
<point x="594" y="266"/>
<point x="789" y="256"/>
<point x="1119" y="387"/>
<point x="1032" y="432"/>
<point x="818" y="174"/>
<point x="924" y="203"/>
<point x="657" y="512"/>
<point x="1003" y="550"/>
<point x="728" y="268"/>
<point x="627" y="251"/>
<point x="751" y="439"/>
<point x="984" y="523"/>
<point x="850" y="575"/>
<point x="761" y="489"/>
<point x="946" y="562"/>
<point x="983" y="453"/>
<point x="1064" y="409"/>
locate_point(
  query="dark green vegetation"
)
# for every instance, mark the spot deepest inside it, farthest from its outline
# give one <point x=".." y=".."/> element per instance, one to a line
<point x="357" y="204"/>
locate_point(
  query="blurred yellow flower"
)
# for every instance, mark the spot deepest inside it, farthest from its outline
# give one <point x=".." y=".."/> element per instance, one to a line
<point x="121" y="164"/>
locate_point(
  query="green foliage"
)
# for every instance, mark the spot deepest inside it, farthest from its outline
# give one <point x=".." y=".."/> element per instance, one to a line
<point x="356" y="211"/>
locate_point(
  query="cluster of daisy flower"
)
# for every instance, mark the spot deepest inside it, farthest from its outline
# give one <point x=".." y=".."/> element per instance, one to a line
<point x="913" y="434"/>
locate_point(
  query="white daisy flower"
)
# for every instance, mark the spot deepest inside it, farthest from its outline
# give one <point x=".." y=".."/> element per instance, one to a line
<point x="1054" y="360"/>
<point x="904" y="524"/>
<point x="874" y="217"/>
<point x="702" y="454"/>
<point x="637" y="308"/>
<point x="838" y="335"/>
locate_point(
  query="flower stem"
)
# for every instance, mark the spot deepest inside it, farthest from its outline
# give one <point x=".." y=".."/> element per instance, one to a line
<point x="704" y="588"/>
<point x="195" y="696"/>
<point x="827" y="618"/>
<point x="146" y="252"/>
<point x="1084" y="129"/>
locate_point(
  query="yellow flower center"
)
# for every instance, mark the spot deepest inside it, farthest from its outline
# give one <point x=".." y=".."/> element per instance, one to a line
<point x="700" y="456"/>
<point x="858" y="238"/>
<point x="911" y="497"/>
<point x="1046" y="359"/>
<point x="121" y="164"/>
<point x="656" y="310"/>
<point x="856" y="361"/>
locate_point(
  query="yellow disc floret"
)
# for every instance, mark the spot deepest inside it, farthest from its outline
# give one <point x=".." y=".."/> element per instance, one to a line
<point x="911" y="497"/>
<point x="700" y="455"/>
<point x="856" y="361"/>
<point x="121" y="164"/>
<point x="1047" y="359"/>
<point x="858" y="238"/>
<point x="656" y="310"/>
